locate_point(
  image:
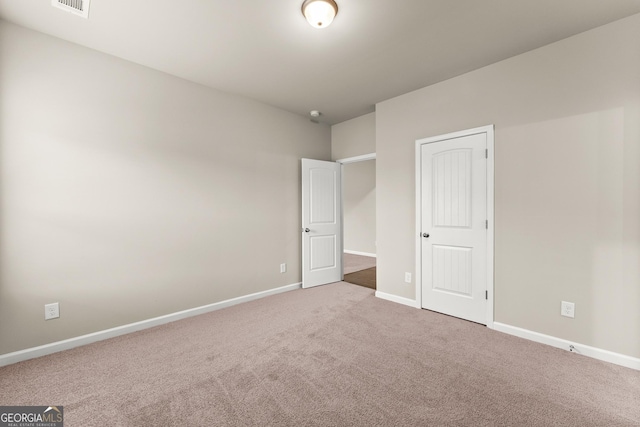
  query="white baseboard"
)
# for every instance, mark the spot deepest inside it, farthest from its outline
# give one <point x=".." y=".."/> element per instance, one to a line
<point x="397" y="299"/>
<point x="585" y="350"/>
<point x="43" y="350"/>
<point x="360" y="253"/>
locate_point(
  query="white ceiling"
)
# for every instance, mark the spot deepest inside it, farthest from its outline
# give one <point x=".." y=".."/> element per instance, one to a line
<point x="265" y="50"/>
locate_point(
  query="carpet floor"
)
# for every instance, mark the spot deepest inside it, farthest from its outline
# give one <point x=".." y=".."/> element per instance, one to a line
<point x="352" y="263"/>
<point x="366" y="278"/>
<point x="334" y="355"/>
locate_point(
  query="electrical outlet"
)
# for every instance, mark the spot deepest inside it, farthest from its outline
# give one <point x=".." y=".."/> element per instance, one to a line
<point x="283" y="268"/>
<point x="407" y="277"/>
<point x="51" y="311"/>
<point x="568" y="309"/>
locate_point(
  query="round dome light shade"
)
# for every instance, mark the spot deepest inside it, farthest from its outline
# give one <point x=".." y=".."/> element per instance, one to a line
<point x="319" y="13"/>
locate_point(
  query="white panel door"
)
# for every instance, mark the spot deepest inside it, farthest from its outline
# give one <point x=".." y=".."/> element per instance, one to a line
<point x="454" y="217"/>
<point x="321" y="223"/>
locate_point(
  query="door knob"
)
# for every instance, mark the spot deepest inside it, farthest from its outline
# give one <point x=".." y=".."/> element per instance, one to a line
<point x="425" y="235"/>
<point x="306" y="230"/>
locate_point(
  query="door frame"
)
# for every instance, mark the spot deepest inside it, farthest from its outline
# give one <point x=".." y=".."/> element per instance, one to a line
<point x="489" y="131"/>
<point x="345" y="161"/>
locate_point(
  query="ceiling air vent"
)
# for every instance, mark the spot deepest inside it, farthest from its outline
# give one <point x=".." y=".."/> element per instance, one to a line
<point x="77" y="7"/>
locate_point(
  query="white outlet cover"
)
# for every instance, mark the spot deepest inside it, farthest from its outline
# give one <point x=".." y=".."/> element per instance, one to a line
<point x="283" y="268"/>
<point x="568" y="309"/>
<point x="51" y="311"/>
<point x="407" y="277"/>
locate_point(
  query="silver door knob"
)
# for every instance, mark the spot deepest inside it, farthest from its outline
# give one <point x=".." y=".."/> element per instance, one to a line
<point x="425" y="235"/>
<point x="306" y="230"/>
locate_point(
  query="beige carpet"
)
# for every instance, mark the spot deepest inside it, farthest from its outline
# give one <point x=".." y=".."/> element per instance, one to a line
<point x="352" y="263"/>
<point x="328" y="356"/>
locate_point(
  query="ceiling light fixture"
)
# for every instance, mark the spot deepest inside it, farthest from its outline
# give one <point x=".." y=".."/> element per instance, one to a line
<point x="319" y="13"/>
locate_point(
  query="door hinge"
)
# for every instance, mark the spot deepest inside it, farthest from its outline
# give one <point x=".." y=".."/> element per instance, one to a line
<point x="486" y="153"/>
<point x="486" y="295"/>
<point x="486" y="224"/>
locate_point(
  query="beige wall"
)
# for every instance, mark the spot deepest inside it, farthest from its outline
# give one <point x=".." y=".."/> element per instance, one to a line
<point x="567" y="182"/>
<point x="359" y="184"/>
<point x="127" y="194"/>
<point x="354" y="137"/>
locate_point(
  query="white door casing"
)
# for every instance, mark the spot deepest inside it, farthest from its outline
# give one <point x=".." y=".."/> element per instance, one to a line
<point x="321" y="222"/>
<point x="454" y="194"/>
